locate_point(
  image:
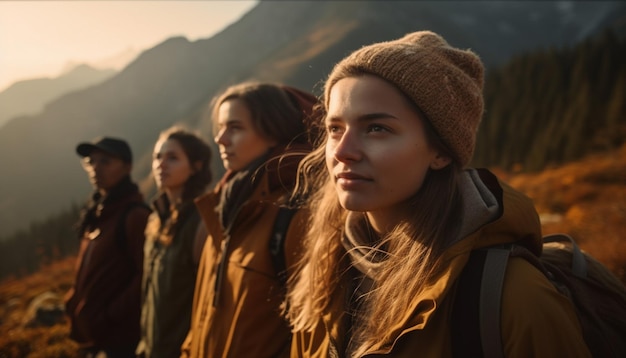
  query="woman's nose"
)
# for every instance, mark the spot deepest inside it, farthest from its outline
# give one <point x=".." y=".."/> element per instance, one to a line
<point x="221" y="138"/>
<point x="348" y="147"/>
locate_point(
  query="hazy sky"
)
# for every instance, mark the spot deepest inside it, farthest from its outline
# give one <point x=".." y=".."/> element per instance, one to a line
<point x="40" y="38"/>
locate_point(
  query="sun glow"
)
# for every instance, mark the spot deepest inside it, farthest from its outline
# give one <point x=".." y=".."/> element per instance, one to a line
<point x="43" y="38"/>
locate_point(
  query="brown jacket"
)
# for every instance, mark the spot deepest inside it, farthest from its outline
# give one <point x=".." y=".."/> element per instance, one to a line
<point x="537" y="321"/>
<point x="245" y="320"/>
<point x="104" y="303"/>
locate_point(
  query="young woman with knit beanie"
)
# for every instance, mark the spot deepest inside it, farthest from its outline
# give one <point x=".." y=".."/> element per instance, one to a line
<point x="262" y="133"/>
<point x="397" y="213"/>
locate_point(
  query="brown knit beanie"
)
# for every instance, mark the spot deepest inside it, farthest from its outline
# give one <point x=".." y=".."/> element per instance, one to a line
<point x="444" y="82"/>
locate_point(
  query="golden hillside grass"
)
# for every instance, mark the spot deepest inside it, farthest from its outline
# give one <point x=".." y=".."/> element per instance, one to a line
<point x="16" y="340"/>
<point x="586" y="199"/>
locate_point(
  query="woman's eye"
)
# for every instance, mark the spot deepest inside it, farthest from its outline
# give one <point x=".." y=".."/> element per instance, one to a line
<point x="334" y="131"/>
<point x="376" y="128"/>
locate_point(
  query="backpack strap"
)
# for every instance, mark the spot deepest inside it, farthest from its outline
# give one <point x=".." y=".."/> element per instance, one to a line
<point x="491" y="301"/>
<point x="478" y="304"/>
<point x="465" y="336"/>
<point x="579" y="264"/>
<point x="277" y="242"/>
<point x="120" y="229"/>
<point x="480" y="290"/>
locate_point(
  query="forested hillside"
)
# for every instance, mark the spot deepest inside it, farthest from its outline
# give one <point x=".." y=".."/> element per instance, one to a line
<point x="554" y="106"/>
<point x="44" y="242"/>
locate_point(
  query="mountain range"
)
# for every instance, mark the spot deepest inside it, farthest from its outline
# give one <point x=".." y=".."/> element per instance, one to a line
<point x="295" y="42"/>
<point x="28" y="97"/>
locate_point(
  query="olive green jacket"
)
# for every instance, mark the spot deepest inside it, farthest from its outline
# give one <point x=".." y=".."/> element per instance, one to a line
<point x="169" y="278"/>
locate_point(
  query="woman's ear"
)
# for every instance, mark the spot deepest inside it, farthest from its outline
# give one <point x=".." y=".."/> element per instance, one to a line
<point x="440" y="161"/>
<point x="197" y="166"/>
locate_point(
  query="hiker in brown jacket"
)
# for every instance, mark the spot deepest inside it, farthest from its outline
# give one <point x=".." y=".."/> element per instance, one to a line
<point x="104" y="303"/>
<point x="398" y="212"/>
<point x="261" y="131"/>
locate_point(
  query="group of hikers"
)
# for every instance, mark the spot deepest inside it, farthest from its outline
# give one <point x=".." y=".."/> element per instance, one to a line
<point x="339" y="229"/>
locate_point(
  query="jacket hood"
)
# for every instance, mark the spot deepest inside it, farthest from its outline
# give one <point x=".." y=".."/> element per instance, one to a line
<point x="517" y="220"/>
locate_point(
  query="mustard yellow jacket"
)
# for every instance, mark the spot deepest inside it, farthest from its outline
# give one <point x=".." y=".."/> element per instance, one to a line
<point x="537" y="321"/>
<point x="246" y="320"/>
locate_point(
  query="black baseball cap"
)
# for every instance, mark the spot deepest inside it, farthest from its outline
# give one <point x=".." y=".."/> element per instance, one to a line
<point x="113" y="146"/>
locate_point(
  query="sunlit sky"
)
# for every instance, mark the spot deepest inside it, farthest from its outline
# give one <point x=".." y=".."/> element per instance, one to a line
<point x="40" y="38"/>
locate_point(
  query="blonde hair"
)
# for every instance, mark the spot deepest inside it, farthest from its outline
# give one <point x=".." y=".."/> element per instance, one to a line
<point x="413" y="248"/>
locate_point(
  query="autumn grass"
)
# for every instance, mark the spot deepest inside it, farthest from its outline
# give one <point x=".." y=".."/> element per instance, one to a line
<point x="586" y="199"/>
<point x="19" y="340"/>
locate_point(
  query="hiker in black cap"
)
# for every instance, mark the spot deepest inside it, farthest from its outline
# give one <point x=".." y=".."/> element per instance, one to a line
<point x="104" y="303"/>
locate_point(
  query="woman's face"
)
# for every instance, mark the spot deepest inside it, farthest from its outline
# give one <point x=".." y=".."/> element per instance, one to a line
<point x="237" y="138"/>
<point x="377" y="153"/>
<point x="170" y="166"/>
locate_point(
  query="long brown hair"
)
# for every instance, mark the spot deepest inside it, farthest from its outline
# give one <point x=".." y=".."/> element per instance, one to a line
<point x="413" y="247"/>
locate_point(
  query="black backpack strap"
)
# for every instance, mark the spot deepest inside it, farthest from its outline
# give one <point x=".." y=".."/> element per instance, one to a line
<point x="491" y="301"/>
<point x="277" y="242"/>
<point x="465" y="335"/>
<point x="120" y="229"/>
<point x="477" y="306"/>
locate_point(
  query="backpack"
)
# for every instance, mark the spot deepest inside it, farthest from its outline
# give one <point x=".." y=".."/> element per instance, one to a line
<point x="277" y="242"/>
<point x="598" y="297"/>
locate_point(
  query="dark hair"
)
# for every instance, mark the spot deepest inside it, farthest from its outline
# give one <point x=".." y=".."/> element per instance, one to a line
<point x="275" y="114"/>
<point x="197" y="151"/>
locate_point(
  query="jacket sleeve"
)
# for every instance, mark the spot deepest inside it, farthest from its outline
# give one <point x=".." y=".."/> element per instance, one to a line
<point x="129" y="300"/>
<point x="186" y="347"/>
<point x="537" y="320"/>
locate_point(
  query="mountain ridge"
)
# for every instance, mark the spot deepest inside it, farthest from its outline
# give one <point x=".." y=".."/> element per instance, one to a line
<point x="29" y="97"/>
